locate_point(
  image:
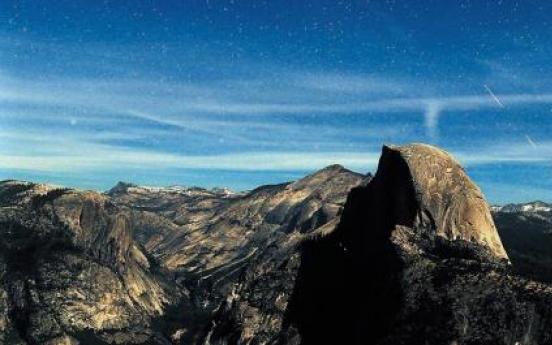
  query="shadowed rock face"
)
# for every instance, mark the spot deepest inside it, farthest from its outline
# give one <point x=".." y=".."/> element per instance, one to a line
<point x="407" y="264"/>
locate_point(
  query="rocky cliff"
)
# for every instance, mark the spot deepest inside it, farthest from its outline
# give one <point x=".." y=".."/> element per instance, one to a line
<point x="71" y="271"/>
<point x="447" y="202"/>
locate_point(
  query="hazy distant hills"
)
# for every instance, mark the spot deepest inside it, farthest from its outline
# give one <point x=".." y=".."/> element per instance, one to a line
<point x="408" y="256"/>
<point x="526" y="230"/>
<point x="535" y="206"/>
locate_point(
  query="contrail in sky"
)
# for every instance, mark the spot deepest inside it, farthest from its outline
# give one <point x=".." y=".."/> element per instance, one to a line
<point x="531" y="142"/>
<point x="492" y="94"/>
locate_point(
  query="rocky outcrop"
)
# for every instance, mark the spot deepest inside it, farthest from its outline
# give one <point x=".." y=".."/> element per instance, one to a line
<point x="71" y="272"/>
<point x="447" y="200"/>
<point x="409" y="266"/>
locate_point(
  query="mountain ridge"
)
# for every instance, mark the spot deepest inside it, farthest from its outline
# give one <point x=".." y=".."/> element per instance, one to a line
<point x="187" y="265"/>
<point x="531" y="206"/>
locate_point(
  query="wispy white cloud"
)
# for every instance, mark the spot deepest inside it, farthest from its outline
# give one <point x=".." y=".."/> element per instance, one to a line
<point x="217" y="112"/>
<point x="174" y="101"/>
<point x="41" y="152"/>
<point x="194" y="110"/>
<point x="70" y="153"/>
<point x="507" y="152"/>
<point x="138" y="160"/>
<point x="431" y="118"/>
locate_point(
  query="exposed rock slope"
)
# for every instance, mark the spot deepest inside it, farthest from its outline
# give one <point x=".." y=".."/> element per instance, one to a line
<point x="179" y="204"/>
<point x="219" y="230"/>
<point x="233" y="253"/>
<point x="71" y="272"/>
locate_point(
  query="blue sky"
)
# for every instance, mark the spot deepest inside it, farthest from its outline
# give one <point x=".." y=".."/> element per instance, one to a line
<point x="242" y="93"/>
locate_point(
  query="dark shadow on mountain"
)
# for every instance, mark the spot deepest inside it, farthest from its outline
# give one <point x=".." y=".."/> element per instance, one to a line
<point x="348" y="286"/>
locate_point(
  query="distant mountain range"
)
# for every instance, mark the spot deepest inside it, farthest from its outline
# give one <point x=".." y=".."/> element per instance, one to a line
<point x="535" y="206"/>
<point x="410" y="255"/>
